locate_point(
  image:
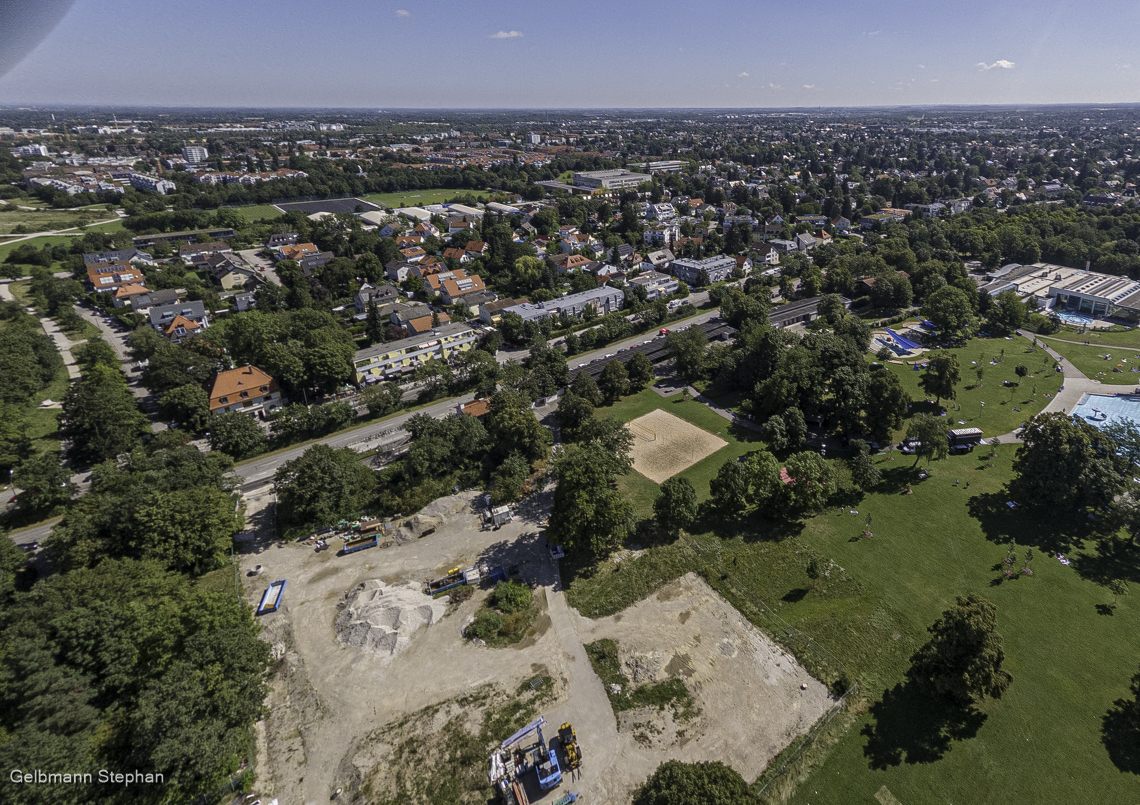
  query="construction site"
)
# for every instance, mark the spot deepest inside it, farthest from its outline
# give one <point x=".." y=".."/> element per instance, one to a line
<point x="379" y="695"/>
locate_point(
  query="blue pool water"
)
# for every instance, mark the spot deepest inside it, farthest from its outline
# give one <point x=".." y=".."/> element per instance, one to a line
<point x="1073" y="318"/>
<point x="1100" y="409"/>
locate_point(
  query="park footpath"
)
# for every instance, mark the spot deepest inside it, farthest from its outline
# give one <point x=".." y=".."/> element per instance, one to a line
<point x="1076" y="385"/>
<point x="667" y="389"/>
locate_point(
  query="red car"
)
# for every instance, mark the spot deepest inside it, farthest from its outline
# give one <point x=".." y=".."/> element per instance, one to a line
<point x="664" y="331"/>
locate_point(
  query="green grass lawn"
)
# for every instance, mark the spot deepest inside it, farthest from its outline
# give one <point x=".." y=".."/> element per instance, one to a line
<point x="642" y="491"/>
<point x="1041" y="743"/>
<point x="412" y="198"/>
<point x="997" y="416"/>
<point x="257" y="212"/>
<point x="108" y="228"/>
<point x="49" y="220"/>
<point x="1091" y="360"/>
<point x="39" y="243"/>
<point x="1115" y="337"/>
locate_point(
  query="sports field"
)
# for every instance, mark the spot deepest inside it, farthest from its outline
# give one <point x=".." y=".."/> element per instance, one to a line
<point x="664" y="445"/>
<point x="412" y="198"/>
<point x="328" y="205"/>
<point x="737" y="441"/>
<point x="257" y="212"/>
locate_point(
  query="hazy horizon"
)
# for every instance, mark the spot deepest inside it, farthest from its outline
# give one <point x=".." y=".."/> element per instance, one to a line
<point x="510" y="55"/>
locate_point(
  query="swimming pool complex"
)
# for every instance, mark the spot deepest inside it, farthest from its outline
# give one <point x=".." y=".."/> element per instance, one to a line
<point x="1073" y="318"/>
<point x="1100" y="409"/>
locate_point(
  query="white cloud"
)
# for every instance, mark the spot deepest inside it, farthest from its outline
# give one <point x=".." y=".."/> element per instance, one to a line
<point x="922" y="67"/>
<point x="403" y="12"/>
<point x="873" y="33"/>
<point x="742" y="75"/>
<point x="1002" y="64"/>
<point x="1123" y="66"/>
<point x="506" y="35"/>
<point x="774" y="86"/>
<point x="809" y="86"/>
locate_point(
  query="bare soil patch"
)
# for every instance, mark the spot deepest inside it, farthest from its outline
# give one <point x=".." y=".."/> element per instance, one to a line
<point x="664" y="445"/>
<point x="750" y="697"/>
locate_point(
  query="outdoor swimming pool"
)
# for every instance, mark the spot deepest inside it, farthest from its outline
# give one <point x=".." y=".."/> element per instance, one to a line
<point x="1073" y="318"/>
<point x="1100" y="409"/>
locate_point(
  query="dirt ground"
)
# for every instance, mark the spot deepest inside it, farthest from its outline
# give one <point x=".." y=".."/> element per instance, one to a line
<point x="749" y="692"/>
<point x="328" y="701"/>
<point x="665" y="444"/>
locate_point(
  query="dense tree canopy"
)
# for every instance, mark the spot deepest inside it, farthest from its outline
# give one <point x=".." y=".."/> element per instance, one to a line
<point x="1066" y="463"/>
<point x="128" y="666"/>
<point x="964" y="656"/>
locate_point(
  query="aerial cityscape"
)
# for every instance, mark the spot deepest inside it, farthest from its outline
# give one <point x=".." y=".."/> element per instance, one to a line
<point x="689" y="416"/>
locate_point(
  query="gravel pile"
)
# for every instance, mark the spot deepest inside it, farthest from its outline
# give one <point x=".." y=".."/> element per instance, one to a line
<point x="383" y="619"/>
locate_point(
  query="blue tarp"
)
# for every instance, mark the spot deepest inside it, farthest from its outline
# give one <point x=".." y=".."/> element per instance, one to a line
<point x="928" y="324"/>
<point x="902" y="342"/>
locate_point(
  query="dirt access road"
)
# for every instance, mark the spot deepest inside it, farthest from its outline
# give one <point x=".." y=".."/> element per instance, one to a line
<point x="328" y="699"/>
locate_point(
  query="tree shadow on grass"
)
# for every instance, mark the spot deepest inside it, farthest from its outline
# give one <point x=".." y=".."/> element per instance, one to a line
<point x="911" y="723"/>
<point x="1120" y="732"/>
<point x="1115" y="558"/>
<point x="1049" y="531"/>
<point x="895" y="480"/>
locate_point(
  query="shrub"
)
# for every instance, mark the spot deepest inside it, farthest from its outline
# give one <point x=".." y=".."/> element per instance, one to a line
<point x="512" y="597"/>
<point x="486" y="626"/>
<point x="514" y="626"/>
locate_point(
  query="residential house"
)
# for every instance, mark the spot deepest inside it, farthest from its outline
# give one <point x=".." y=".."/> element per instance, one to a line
<point x="396" y="358"/>
<point x="297" y="250"/>
<point x="603" y="300"/>
<point x="144" y="302"/>
<point x="476" y="408"/>
<point x="281" y="240"/>
<point x="193" y="252"/>
<point x="660" y="212"/>
<point x="657" y="260"/>
<point x="805" y="242"/>
<point x="744" y="264"/>
<point x="783" y="246"/>
<point x="427" y="229"/>
<point x="246" y="389"/>
<point x="458" y="226"/>
<point x="391" y="228"/>
<point x="663" y="234"/>
<point x="311" y="261"/>
<point x="717" y="269"/>
<point x="656" y="285"/>
<point x="119" y="256"/>
<point x="491" y="313"/>
<point x="179" y="319"/>
<point x="770" y="256"/>
<point x="458" y="255"/>
<point x="454" y="289"/>
<point x="841" y="225"/>
<point x="413" y="254"/>
<point x="397" y="270"/>
<point x="408" y="241"/>
<point x="774" y="225"/>
<point x="568" y="262"/>
<point x="105" y="277"/>
<point x="126" y="293"/>
<point x="423" y="324"/>
<point x="477" y="248"/>
<point x="244" y="302"/>
<point x="378" y="295"/>
<point x="813" y="221"/>
<point x="401" y="314"/>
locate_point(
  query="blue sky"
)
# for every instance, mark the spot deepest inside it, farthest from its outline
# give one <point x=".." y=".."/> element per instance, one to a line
<point x="502" y="53"/>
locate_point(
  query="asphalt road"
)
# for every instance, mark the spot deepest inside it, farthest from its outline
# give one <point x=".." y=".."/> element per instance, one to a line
<point x="259" y="472"/>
